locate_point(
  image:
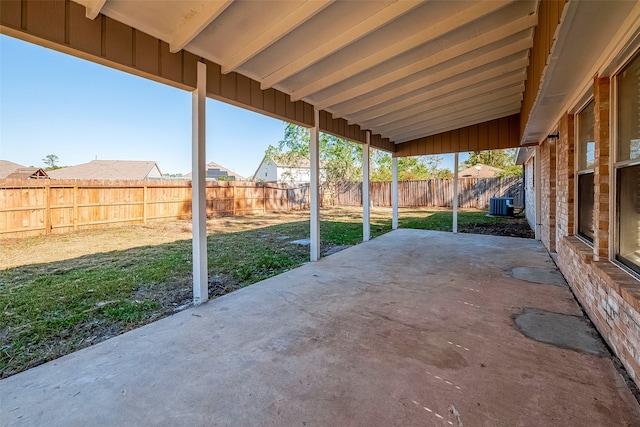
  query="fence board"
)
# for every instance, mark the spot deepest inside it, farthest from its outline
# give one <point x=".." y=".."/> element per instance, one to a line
<point x="34" y="207"/>
<point x="473" y="192"/>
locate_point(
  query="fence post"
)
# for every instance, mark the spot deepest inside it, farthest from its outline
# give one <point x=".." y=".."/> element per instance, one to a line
<point x="264" y="199"/>
<point x="75" y="206"/>
<point x="144" y="203"/>
<point x="47" y="207"/>
<point x="233" y="199"/>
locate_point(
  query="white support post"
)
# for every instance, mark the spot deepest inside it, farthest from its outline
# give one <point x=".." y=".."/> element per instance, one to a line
<point x="314" y="158"/>
<point x="198" y="188"/>
<point x="455" y="193"/>
<point x="394" y="193"/>
<point x="366" y="208"/>
<point x="537" y="183"/>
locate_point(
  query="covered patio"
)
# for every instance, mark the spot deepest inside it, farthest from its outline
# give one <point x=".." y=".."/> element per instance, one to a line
<point x="352" y="341"/>
<point x="413" y="328"/>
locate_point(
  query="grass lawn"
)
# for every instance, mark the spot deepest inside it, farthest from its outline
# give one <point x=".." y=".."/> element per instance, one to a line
<point x="60" y="293"/>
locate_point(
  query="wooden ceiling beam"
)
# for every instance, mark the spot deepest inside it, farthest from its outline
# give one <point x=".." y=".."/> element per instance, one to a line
<point x="444" y="126"/>
<point x="502" y="54"/>
<point x="94" y="7"/>
<point x="352" y="34"/>
<point x="431" y="61"/>
<point x="195" y="23"/>
<point x="288" y="23"/>
<point x="486" y="101"/>
<point x="478" y="90"/>
<point x="447" y="25"/>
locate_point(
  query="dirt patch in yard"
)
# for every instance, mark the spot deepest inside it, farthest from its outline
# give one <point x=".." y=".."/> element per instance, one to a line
<point x="511" y="227"/>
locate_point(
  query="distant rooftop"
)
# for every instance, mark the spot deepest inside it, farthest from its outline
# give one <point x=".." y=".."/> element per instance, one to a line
<point x="7" y="168"/>
<point x="109" y="170"/>
<point x="216" y="171"/>
<point x="480" y="170"/>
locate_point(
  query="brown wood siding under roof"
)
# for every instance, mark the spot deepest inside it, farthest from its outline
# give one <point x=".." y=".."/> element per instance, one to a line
<point x="491" y="135"/>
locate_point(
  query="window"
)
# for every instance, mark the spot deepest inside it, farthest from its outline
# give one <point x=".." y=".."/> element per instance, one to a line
<point x="627" y="165"/>
<point x="586" y="157"/>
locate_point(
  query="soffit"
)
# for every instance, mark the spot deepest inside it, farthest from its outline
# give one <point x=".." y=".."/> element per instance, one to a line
<point x="583" y="38"/>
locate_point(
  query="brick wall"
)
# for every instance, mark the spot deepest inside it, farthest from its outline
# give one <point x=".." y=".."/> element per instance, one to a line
<point x="565" y="177"/>
<point x="601" y="168"/>
<point x="548" y="194"/>
<point x="610" y="296"/>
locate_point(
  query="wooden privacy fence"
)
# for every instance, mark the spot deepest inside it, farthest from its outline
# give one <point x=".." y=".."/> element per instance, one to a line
<point x="32" y="207"/>
<point x="472" y="192"/>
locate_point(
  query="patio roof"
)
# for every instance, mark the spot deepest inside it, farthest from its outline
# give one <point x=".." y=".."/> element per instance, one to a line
<point x="349" y="342"/>
<point x="361" y="61"/>
<point x="425" y="77"/>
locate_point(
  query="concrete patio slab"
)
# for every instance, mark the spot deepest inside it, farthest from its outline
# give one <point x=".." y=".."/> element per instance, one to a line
<point x="414" y="328"/>
<point x="564" y="330"/>
<point x="543" y="276"/>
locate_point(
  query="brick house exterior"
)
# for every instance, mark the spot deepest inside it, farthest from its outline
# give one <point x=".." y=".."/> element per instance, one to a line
<point x="608" y="290"/>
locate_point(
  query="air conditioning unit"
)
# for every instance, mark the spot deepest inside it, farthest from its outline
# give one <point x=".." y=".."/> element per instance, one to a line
<point x="501" y="206"/>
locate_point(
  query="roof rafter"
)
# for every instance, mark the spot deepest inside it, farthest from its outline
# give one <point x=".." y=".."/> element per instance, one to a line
<point x="442" y="56"/>
<point x="442" y="27"/>
<point x="439" y="117"/>
<point x="301" y="14"/>
<point x="499" y="71"/>
<point x="481" y="89"/>
<point x="94" y="7"/>
<point x="367" y="26"/>
<point x="443" y="126"/>
<point x="494" y="98"/>
<point x="195" y="23"/>
<point x="445" y="74"/>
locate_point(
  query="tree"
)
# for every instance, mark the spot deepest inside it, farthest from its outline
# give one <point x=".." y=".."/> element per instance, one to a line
<point x="409" y="168"/>
<point x="341" y="160"/>
<point x="50" y="160"/>
<point x="503" y="159"/>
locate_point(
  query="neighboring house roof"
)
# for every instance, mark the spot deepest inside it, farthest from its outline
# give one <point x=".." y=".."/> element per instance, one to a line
<point x="484" y="171"/>
<point x="28" y="173"/>
<point x="216" y="171"/>
<point x="7" y="168"/>
<point x="109" y="170"/>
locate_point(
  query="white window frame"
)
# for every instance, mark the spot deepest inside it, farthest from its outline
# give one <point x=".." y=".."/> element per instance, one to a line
<point x="585" y="100"/>
<point x="614" y="165"/>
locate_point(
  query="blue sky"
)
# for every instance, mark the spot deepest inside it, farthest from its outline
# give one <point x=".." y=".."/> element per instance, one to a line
<point x="53" y="103"/>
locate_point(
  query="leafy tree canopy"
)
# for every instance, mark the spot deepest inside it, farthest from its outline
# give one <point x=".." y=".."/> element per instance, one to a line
<point x="342" y="159"/>
<point x="51" y="161"/>
<point x="409" y="168"/>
